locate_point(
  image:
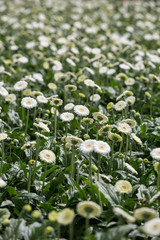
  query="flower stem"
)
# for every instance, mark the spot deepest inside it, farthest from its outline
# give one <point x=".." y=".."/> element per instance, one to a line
<point x="27" y="119"/>
<point x="71" y="231"/>
<point x="73" y="163"/>
<point x="2" y="159"/>
<point x="55" y="123"/>
<point x="44" y="177"/>
<point x="79" y="126"/>
<point x="98" y="173"/>
<point x="126" y="149"/>
<point x="29" y="179"/>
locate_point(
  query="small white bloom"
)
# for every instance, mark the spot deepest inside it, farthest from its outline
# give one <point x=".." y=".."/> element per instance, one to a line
<point x="42" y="125"/>
<point x="119" y="106"/>
<point x="47" y="156"/>
<point x="81" y="110"/>
<point x="20" y="85"/>
<point x="69" y="106"/>
<point x="87" y="146"/>
<point x="95" y="97"/>
<point x="42" y="99"/>
<point x="89" y="83"/>
<point x="130" y="100"/>
<point x="152" y="227"/>
<point x="3" y="136"/>
<point x="124" y="127"/>
<point x="28" y="102"/>
<point x="137" y="139"/>
<point x="129" y="81"/>
<point x="67" y="117"/>
<point x="2" y="183"/>
<point x="101" y="147"/>
<point x="3" y="92"/>
<point x="155" y="153"/>
<point x="38" y="77"/>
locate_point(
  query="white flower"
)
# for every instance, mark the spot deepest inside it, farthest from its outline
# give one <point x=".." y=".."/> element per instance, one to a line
<point x="28" y="102"/>
<point x="129" y="81"/>
<point x="66" y="216"/>
<point x="155" y="153"/>
<point x="89" y="83"/>
<point x="137" y="139"/>
<point x="101" y="147"/>
<point x="130" y="100"/>
<point x="152" y="227"/>
<point x="69" y="106"/>
<point x="2" y="183"/>
<point x="57" y="66"/>
<point x="95" y="97"/>
<point x="42" y="125"/>
<point x="38" y="77"/>
<point x="81" y="110"/>
<point x="42" y="99"/>
<point x="3" y="136"/>
<point x="119" y="106"/>
<point x="41" y="135"/>
<point x="20" y="85"/>
<point x="10" y="97"/>
<point x="120" y="212"/>
<point x="87" y="146"/>
<point x="145" y="214"/>
<point x="70" y="61"/>
<point x="3" y="92"/>
<point x="67" y="117"/>
<point x="124" y="127"/>
<point x="47" y="156"/>
<point x="89" y="209"/>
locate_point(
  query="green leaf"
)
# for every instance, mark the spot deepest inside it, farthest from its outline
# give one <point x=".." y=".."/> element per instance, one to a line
<point x="109" y="193"/>
<point x="74" y="184"/>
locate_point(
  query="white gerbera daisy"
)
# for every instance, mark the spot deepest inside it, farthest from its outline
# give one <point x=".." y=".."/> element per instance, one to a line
<point x="101" y="147"/>
<point x="155" y="153"/>
<point x="3" y="136"/>
<point x="69" y="106"/>
<point x="38" y="77"/>
<point x="100" y="117"/>
<point x="130" y="100"/>
<point x="43" y="126"/>
<point x="145" y="214"/>
<point x="67" y="117"/>
<point x="28" y="102"/>
<point x="95" y="97"/>
<point x="89" y="83"/>
<point x="42" y="99"/>
<point x="137" y="139"/>
<point x="81" y="110"/>
<point x="47" y="156"/>
<point x="124" y="127"/>
<point x="123" y="186"/>
<point x="119" y="106"/>
<point x="129" y="81"/>
<point x="2" y="183"/>
<point x="87" y="146"/>
<point x="10" y="97"/>
<point x="152" y="227"/>
<point x="20" y="85"/>
<point x="3" y="92"/>
<point x="89" y="209"/>
<point x="66" y="216"/>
